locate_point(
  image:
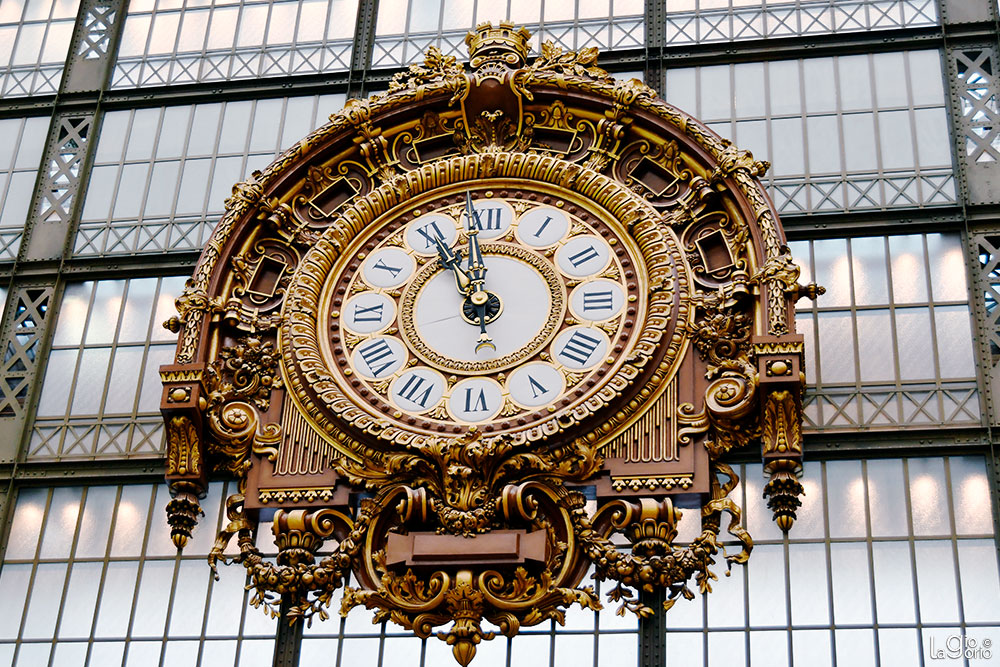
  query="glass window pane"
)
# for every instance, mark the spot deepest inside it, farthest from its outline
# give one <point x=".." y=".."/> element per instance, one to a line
<point x="859" y="142"/>
<point x="43" y="605"/>
<point x="947" y="267"/>
<point x="977" y="565"/>
<point x="903" y="644"/>
<point x="909" y="279"/>
<point x="836" y="340"/>
<point x="32" y="655"/>
<point x="749" y="82"/>
<point x="73" y="313"/>
<point x="58" y="381"/>
<point x="90" y="380"/>
<point x="726" y="603"/>
<point x="154" y="591"/>
<point x="100" y="193"/>
<point x="936" y="581"/>
<point x="928" y="498"/>
<point x="716" y="100"/>
<point x="162" y="189"/>
<point x="916" y="353"/>
<point x="855" y="647"/>
<point x="787" y="146"/>
<point x="204" y="129"/>
<point x="29" y="513"/>
<point x="681" y="89"/>
<point x="138" y="306"/>
<point x="81" y="600"/>
<point x="14" y="580"/>
<point x="896" y="140"/>
<point x="726" y="648"/>
<point x="194" y="187"/>
<point x="170" y="143"/>
<point x="824" y="144"/>
<point x="886" y="497"/>
<point x="845" y="488"/>
<point x="125" y="371"/>
<point x="894" y="601"/>
<point x="235" y="125"/>
<point x="875" y="347"/>
<point x="783" y="78"/>
<point x="926" y="76"/>
<point x="142" y="134"/>
<point x="851" y="600"/>
<point x="890" y="79"/>
<point x="770" y="648"/>
<point x="970" y="489"/>
<point x="60" y="524"/>
<point x="130" y="520"/>
<point x="683" y="648"/>
<point x="820" y="89"/>
<point x="954" y="338"/>
<point x="809" y="586"/>
<point x="855" y="83"/>
<point x="223" y="30"/>
<point x="833" y="271"/>
<point x="766" y="578"/>
<point x="95" y="526"/>
<point x="104" y="312"/>
<point x="188" y="612"/>
<point x="933" y="146"/>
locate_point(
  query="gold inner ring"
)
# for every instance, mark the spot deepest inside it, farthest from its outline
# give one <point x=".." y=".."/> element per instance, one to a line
<point x="407" y="314"/>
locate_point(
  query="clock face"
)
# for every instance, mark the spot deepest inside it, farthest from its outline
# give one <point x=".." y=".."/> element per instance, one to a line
<point x="534" y="325"/>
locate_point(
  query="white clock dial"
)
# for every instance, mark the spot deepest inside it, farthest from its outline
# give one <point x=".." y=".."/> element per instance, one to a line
<point x="420" y="233"/>
<point x="368" y="312"/>
<point x="418" y="389"/>
<point x="493" y="218"/>
<point x="388" y="268"/>
<point x="542" y="226"/>
<point x="526" y="301"/>
<point x="597" y="300"/>
<point x="579" y="348"/>
<point x="475" y="400"/>
<point x="583" y="256"/>
<point x="378" y="358"/>
<point x="536" y="384"/>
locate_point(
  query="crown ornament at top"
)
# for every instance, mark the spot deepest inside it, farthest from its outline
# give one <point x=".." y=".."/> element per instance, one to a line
<point x="504" y="43"/>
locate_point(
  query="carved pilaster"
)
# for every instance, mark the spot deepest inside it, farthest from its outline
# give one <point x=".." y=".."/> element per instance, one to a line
<point x="187" y="470"/>
<point x="779" y="368"/>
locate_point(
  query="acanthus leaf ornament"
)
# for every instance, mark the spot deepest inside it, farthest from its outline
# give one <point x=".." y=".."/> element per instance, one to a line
<point x="325" y="351"/>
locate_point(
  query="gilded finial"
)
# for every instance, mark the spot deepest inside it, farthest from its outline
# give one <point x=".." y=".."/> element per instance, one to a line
<point x="503" y="43"/>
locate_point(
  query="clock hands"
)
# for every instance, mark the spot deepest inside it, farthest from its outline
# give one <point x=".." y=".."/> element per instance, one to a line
<point x="451" y="260"/>
<point x="479" y="307"/>
<point x="477" y="273"/>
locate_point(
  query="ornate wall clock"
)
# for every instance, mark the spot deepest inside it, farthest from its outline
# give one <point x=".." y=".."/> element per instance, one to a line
<point x="434" y="326"/>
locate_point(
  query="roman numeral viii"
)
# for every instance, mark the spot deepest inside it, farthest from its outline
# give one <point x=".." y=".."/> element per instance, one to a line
<point x="378" y="355"/>
<point x="579" y="347"/>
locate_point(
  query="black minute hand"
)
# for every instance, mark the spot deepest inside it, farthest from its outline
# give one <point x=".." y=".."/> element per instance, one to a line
<point x="477" y="268"/>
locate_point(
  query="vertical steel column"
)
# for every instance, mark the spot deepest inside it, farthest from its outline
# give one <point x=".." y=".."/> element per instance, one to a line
<point x="656" y="11"/>
<point x="364" y="43"/>
<point x="287" y="641"/>
<point x="653" y="631"/>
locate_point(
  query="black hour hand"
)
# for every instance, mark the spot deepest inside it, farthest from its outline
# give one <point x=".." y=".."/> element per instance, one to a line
<point x="452" y="261"/>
